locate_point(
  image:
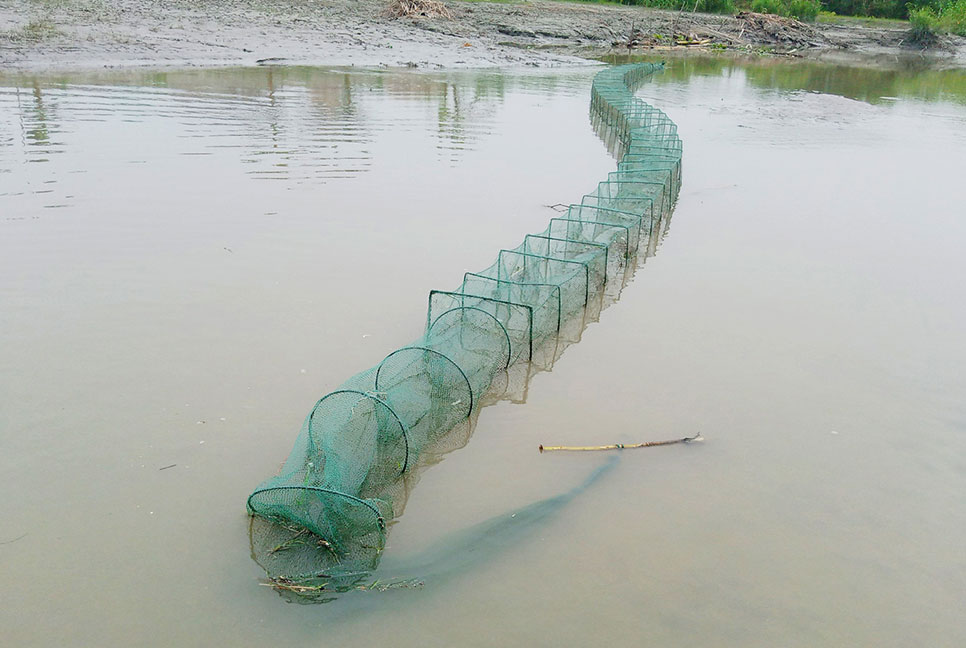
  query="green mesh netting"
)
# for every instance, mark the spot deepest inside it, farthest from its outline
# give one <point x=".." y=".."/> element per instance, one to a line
<point x="321" y="524"/>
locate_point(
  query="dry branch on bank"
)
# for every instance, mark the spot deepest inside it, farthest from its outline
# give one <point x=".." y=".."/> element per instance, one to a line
<point x="411" y="8"/>
<point x="746" y="29"/>
<point x="777" y="29"/>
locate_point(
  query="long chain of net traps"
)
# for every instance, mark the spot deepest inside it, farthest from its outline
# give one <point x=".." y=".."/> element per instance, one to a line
<point x="324" y="518"/>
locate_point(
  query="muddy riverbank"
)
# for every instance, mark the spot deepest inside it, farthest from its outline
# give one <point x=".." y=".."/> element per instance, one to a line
<point x="79" y="34"/>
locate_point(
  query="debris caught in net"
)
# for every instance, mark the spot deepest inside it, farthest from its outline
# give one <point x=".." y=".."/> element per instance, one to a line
<point x="319" y="527"/>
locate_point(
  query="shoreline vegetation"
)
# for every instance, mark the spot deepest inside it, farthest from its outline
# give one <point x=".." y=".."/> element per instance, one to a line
<point x="53" y="35"/>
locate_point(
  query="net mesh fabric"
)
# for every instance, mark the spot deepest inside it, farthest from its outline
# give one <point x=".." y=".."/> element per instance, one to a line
<point x="325" y="516"/>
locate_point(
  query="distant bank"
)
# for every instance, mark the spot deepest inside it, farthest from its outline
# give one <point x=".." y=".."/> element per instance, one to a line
<point x="85" y="34"/>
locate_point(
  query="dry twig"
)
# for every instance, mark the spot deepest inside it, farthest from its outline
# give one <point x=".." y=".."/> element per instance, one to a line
<point x="623" y="446"/>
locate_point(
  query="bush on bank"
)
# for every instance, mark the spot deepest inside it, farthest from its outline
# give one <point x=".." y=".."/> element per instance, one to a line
<point x="926" y="22"/>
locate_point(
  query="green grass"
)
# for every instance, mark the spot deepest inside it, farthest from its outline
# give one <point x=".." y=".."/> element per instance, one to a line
<point x="927" y="23"/>
<point x="34" y="31"/>
<point x="832" y="18"/>
<point x="602" y="2"/>
<point x="952" y="17"/>
<point x="703" y="6"/>
<point x="806" y="10"/>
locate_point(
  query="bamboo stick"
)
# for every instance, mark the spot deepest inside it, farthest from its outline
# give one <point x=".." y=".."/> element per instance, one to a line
<point x="622" y="446"/>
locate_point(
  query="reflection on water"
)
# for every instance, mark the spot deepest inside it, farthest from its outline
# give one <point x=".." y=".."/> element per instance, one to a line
<point x="299" y="125"/>
<point x="910" y="78"/>
<point x="292" y="124"/>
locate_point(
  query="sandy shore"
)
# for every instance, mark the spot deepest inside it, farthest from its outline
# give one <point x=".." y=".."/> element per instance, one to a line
<point x="84" y="34"/>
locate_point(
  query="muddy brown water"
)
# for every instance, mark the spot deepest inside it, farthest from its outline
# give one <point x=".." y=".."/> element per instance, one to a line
<point x="189" y="258"/>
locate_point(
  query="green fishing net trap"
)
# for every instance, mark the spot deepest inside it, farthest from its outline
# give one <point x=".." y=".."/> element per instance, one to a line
<point x="320" y="525"/>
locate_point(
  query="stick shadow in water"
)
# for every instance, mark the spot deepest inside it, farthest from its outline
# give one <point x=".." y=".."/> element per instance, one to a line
<point x="453" y="556"/>
<point x="464" y="550"/>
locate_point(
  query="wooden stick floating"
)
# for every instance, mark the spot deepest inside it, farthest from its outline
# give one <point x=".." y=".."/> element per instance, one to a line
<point x="623" y="446"/>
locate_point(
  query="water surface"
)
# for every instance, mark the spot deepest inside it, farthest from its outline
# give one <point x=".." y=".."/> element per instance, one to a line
<point x="189" y="259"/>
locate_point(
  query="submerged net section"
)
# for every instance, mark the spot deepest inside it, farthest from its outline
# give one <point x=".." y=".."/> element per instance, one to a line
<point x="320" y="525"/>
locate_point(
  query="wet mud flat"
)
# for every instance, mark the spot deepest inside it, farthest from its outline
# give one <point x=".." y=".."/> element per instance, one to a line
<point x="92" y="33"/>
